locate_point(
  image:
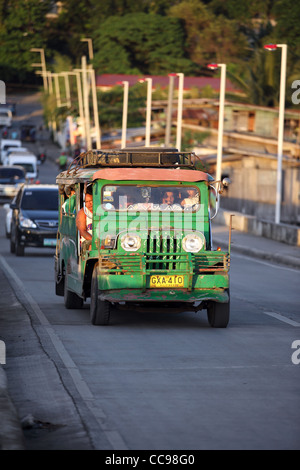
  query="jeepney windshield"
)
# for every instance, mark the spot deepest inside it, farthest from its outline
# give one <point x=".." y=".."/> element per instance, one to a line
<point x="156" y="198"/>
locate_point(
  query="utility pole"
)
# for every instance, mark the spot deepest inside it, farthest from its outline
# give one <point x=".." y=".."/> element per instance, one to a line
<point x="169" y="110"/>
<point x="86" y="103"/>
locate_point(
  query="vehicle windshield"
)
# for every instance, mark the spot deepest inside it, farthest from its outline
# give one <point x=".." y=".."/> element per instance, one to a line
<point x="40" y="200"/>
<point x="11" y="173"/>
<point x="142" y="197"/>
<point x="9" y="146"/>
<point x="28" y="167"/>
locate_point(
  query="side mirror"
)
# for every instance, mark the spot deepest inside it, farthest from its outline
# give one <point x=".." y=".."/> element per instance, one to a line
<point x="223" y="184"/>
<point x="13" y="206"/>
<point x="226" y="182"/>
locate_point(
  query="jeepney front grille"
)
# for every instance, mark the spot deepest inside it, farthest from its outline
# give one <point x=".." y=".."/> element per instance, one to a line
<point x="162" y="247"/>
<point x="211" y="262"/>
<point x="117" y="263"/>
<point x="207" y="262"/>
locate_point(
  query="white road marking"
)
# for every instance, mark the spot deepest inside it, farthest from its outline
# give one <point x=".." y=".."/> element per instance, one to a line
<point x="280" y="317"/>
<point x="112" y="436"/>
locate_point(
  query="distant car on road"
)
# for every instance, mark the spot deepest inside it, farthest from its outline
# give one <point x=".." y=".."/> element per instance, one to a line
<point x="5" y="117"/>
<point x="34" y="219"/>
<point x="28" y="161"/>
<point x="6" y="144"/>
<point x="13" y="150"/>
<point x="11" y="178"/>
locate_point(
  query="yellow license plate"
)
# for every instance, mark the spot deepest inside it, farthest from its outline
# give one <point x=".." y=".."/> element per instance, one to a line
<point x="166" y="281"/>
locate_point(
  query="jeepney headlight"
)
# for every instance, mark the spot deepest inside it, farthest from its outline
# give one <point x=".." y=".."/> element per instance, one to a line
<point x="27" y="223"/>
<point x="130" y="242"/>
<point x="192" y="243"/>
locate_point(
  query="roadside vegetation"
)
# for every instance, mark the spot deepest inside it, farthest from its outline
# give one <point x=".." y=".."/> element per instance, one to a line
<point x="152" y="37"/>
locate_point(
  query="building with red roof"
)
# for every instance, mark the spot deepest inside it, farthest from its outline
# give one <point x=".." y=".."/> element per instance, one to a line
<point x="107" y="81"/>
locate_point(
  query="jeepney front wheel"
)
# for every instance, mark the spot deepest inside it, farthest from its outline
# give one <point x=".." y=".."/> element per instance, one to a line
<point x="218" y="314"/>
<point x="99" y="309"/>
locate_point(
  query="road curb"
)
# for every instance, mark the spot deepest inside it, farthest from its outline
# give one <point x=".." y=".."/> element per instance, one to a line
<point x="11" y="435"/>
<point x="262" y="255"/>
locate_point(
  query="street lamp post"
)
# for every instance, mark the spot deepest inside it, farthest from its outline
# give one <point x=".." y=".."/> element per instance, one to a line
<point x="148" y="109"/>
<point x="86" y="104"/>
<point x="90" y="47"/>
<point x="42" y="64"/>
<point x="49" y="83"/>
<point x="67" y="87"/>
<point x="221" y="117"/>
<point x="80" y="100"/>
<point x="57" y="90"/>
<point x="169" y="110"/>
<point x="273" y="47"/>
<point x="179" y="111"/>
<point x="125" y="112"/>
<point x="92" y="78"/>
<point x="95" y="107"/>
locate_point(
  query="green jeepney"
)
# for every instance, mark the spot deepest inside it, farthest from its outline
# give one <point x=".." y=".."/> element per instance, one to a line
<point x="151" y="235"/>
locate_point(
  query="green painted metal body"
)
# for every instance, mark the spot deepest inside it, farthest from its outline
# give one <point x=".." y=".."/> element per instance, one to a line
<point x="125" y="276"/>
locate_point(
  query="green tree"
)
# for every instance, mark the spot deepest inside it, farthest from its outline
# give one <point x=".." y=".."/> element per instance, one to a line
<point x="141" y="44"/>
<point x="240" y="10"/>
<point x="23" y="25"/>
<point x="209" y="37"/>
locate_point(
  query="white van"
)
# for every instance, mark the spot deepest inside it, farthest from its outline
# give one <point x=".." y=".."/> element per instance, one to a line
<point x="15" y="151"/>
<point x="28" y="162"/>
<point x="5" y="117"/>
<point x="6" y="144"/>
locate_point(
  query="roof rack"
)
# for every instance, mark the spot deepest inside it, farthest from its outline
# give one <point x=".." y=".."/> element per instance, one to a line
<point x="135" y="157"/>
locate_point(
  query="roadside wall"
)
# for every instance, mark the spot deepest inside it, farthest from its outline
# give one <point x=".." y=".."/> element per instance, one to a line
<point x="284" y="233"/>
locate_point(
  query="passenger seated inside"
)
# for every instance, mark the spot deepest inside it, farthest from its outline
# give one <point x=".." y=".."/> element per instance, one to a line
<point x="123" y="199"/>
<point x="144" y="194"/>
<point x="159" y="199"/>
<point x="84" y="218"/>
<point x="191" y="198"/>
<point x="168" y="200"/>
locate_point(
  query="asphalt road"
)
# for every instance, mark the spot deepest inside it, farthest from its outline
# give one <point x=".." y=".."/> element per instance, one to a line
<point x="154" y="380"/>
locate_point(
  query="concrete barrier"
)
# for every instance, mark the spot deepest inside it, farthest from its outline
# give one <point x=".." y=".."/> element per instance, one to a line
<point x="284" y="233"/>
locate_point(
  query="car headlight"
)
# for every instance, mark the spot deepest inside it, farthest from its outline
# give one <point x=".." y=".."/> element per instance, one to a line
<point x="130" y="242"/>
<point x="27" y="223"/>
<point x="192" y="243"/>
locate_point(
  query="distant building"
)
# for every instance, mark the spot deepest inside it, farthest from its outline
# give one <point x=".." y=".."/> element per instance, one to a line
<point x="108" y="81"/>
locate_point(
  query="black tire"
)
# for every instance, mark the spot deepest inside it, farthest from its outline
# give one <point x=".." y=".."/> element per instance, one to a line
<point x="218" y="314"/>
<point x="60" y="287"/>
<point x="12" y="246"/>
<point x="99" y="309"/>
<point x="71" y="300"/>
<point x="19" y="248"/>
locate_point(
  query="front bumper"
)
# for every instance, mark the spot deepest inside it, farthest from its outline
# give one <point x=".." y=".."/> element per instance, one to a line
<point x="8" y="192"/>
<point x="37" y="238"/>
<point x="126" y="277"/>
<point x="166" y="295"/>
